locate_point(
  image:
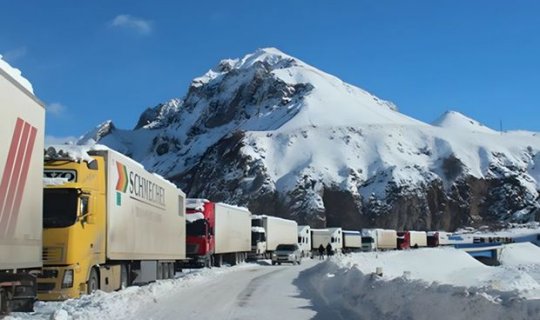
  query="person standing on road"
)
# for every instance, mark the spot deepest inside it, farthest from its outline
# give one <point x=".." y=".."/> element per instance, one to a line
<point x="321" y="252"/>
<point x="329" y="251"/>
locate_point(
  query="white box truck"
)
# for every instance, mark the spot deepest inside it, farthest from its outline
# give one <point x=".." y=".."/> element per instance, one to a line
<point x="107" y="223"/>
<point x="21" y="190"/>
<point x="268" y="232"/>
<point x="379" y="239"/>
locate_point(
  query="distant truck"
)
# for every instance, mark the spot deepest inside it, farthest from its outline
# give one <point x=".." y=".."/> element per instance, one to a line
<point x="352" y="241"/>
<point x="107" y="222"/>
<point x="21" y="190"/>
<point x="304" y="240"/>
<point x="378" y="239"/>
<point x="216" y="233"/>
<point x="267" y="232"/>
<point x="438" y="238"/>
<point x="411" y="239"/>
<point x="332" y="236"/>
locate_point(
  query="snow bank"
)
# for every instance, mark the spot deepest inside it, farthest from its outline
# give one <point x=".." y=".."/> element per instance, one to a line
<point x="369" y="297"/>
<point x="428" y="284"/>
<point x="443" y="266"/>
<point x="520" y="254"/>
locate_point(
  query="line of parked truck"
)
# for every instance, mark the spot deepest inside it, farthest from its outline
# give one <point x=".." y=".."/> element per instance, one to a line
<point x="76" y="219"/>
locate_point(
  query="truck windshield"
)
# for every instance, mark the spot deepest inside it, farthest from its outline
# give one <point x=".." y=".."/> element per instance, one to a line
<point x="367" y="240"/>
<point x="257" y="237"/>
<point x="286" y="247"/>
<point x="196" y="228"/>
<point x="59" y="207"/>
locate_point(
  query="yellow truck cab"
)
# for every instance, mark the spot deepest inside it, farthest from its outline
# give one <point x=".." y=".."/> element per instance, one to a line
<point x="107" y="223"/>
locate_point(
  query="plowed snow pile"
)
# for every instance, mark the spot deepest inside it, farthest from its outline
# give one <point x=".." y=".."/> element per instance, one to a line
<point x="442" y="283"/>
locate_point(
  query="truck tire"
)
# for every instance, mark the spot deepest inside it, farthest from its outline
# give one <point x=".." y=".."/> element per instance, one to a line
<point x="3" y="302"/>
<point x="93" y="281"/>
<point x="171" y="270"/>
<point x="124" y="277"/>
<point x="159" y="270"/>
<point x="218" y="260"/>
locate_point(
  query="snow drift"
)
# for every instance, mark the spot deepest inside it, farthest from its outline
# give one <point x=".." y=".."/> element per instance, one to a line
<point x="428" y="284"/>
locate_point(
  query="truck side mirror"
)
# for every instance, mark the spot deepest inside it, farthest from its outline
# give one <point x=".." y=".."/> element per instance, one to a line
<point x="85" y="215"/>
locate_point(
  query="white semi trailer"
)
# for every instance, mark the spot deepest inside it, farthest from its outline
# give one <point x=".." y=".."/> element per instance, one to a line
<point x="304" y="240"/>
<point x="332" y="236"/>
<point x="379" y="239"/>
<point x="352" y="241"/>
<point x="267" y="232"/>
<point x="21" y="190"/>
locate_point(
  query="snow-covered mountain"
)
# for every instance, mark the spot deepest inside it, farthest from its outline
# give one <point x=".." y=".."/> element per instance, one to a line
<point x="273" y="133"/>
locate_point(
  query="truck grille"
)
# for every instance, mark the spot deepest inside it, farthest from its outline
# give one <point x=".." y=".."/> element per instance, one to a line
<point x="48" y="274"/>
<point x="45" y="287"/>
<point x="192" y="248"/>
<point x="53" y="255"/>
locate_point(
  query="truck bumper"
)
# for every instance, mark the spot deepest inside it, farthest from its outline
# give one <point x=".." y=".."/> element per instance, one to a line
<point x="50" y="283"/>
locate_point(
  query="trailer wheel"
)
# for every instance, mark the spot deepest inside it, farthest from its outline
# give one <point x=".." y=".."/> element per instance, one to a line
<point x="3" y="302"/>
<point x="124" y="279"/>
<point x="93" y="281"/>
<point x="159" y="270"/>
<point x="171" y="270"/>
<point x="218" y="260"/>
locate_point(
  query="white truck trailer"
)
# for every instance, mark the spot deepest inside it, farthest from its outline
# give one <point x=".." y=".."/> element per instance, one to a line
<point x="304" y="240"/>
<point x="107" y="223"/>
<point x="332" y="236"/>
<point x="21" y="190"/>
<point x="352" y="241"/>
<point x="268" y="232"/>
<point x="378" y="239"/>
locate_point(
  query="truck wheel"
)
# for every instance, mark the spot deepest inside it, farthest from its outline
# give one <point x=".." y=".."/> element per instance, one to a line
<point x="159" y="270"/>
<point x="93" y="282"/>
<point x="124" y="281"/>
<point x="171" y="270"/>
<point x="273" y="263"/>
<point x="3" y="302"/>
<point x="218" y="260"/>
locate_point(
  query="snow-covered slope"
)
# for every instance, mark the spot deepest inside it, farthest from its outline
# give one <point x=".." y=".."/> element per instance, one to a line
<point x="274" y="133"/>
<point x="456" y="121"/>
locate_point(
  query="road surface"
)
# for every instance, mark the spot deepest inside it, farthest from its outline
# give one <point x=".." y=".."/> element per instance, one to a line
<point x="256" y="291"/>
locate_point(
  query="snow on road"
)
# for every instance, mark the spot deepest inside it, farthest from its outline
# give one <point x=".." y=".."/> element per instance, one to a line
<point x="242" y="292"/>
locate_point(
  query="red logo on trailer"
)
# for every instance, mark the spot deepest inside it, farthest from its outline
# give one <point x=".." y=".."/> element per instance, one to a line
<point x="14" y="176"/>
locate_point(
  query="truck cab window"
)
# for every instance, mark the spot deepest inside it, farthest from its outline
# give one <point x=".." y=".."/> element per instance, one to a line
<point x="59" y="207"/>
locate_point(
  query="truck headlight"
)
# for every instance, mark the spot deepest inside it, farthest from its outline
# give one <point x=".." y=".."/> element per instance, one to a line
<point x="67" y="280"/>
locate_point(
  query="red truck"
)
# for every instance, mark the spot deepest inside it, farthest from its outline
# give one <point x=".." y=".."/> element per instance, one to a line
<point x="411" y="239"/>
<point x="216" y="233"/>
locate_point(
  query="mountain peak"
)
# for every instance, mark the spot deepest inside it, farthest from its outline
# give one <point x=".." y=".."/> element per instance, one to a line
<point x="456" y="120"/>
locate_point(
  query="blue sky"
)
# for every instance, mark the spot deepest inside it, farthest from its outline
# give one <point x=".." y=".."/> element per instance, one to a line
<point x="91" y="61"/>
